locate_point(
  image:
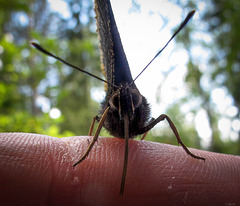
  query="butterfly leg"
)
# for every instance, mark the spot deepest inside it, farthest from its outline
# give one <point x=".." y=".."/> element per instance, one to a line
<point x="92" y="125"/>
<point x="100" y="125"/>
<point x="145" y="134"/>
<point x="174" y="129"/>
<point x="91" y="128"/>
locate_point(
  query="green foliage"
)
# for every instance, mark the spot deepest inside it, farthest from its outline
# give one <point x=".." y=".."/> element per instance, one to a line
<point x="31" y="83"/>
<point x="219" y="21"/>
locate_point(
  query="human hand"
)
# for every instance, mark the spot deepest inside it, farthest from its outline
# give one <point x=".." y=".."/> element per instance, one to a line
<point x="37" y="170"/>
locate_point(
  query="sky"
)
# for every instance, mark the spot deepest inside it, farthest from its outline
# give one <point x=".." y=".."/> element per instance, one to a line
<point x="143" y="34"/>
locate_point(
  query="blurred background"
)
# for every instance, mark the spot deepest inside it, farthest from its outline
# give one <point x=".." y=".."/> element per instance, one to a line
<point x="195" y="80"/>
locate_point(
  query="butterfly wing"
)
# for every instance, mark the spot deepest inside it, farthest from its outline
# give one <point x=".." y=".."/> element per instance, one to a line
<point x="113" y="58"/>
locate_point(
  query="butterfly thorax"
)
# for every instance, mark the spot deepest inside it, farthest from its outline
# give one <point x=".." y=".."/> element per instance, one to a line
<point x="126" y="101"/>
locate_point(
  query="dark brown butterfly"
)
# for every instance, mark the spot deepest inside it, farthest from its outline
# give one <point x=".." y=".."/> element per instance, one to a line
<point x="125" y="112"/>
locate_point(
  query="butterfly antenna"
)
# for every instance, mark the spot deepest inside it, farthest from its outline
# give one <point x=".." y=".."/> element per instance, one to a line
<point x="182" y="25"/>
<point x="41" y="49"/>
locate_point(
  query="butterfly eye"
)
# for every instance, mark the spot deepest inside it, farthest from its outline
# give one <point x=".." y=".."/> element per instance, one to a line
<point x="114" y="101"/>
<point x="136" y="98"/>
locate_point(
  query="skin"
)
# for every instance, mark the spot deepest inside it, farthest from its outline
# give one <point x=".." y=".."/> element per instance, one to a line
<point x="37" y="170"/>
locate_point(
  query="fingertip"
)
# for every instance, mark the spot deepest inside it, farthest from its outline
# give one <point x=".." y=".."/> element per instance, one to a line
<point x="163" y="172"/>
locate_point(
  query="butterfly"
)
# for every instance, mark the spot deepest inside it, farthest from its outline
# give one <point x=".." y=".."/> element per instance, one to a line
<point x="125" y="113"/>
